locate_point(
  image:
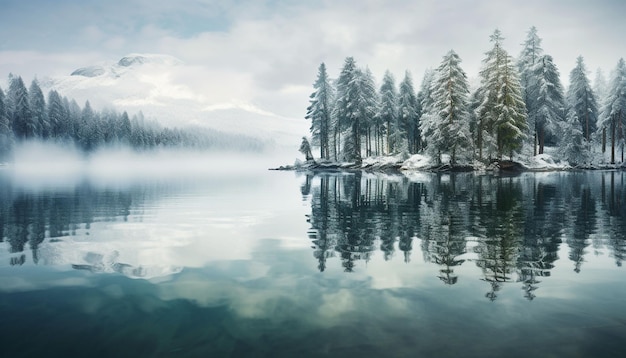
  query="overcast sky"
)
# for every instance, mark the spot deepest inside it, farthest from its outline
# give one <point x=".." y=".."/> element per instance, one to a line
<point x="267" y="52"/>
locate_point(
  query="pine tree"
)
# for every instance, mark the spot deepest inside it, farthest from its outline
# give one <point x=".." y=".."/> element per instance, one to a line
<point x="368" y="106"/>
<point x="109" y="120"/>
<point x="487" y="95"/>
<point x="38" y="110"/>
<point x="573" y="145"/>
<point x="614" y="110"/>
<point x="388" y="112"/>
<point x="510" y="126"/>
<point x="124" y="130"/>
<point x="502" y="111"/>
<point x="548" y="104"/>
<point x="305" y="148"/>
<point x="581" y="101"/>
<point x="449" y="131"/>
<point x="527" y="62"/>
<point x="408" y="111"/>
<point x="58" y="117"/>
<point x="320" y="111"/>
<point x="74" y="118"/>
<point x="346" y="111"/>
<point x="86" y="128"/>
<point x="137" y="135"/>
<point x="6" y="135"/>
<point x="19" y="109"/>
<point x="425" y="100"/>
<point x="599" y="86"/>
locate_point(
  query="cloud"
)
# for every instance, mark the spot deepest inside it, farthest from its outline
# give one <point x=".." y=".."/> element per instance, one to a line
<point x="267" y="53"/>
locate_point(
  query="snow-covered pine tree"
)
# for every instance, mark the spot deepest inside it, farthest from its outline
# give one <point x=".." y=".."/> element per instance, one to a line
<point x="510" y="126"/>
<point x="599" y="86"/>
<point x="38" y="110"/>
<point x="124" y="129"/>
<point x="388" y="112"/>
<point x="86" y="130"/>
<point x="57" y="118"/>
<point x="19" y="109"/>
<point x="474" y="103"/>
<point x="548" y="104"/>
<point x="581" y="101"/>
<point x="614" y="111"/>
<point x="97" y="138"/>
<point x="449" y="132"/>
<point x="109" y="120"/>
<point x="368" y="106"/>
<point x="487" y="112"/>
<point x="526" y="63"/>
<point x="320" y="111"/>
<point x="425" y="100"/>
<point x="346" y="111"/>
<point x="573" y="145"/>
<point x="305" y="148"/>
<point x="408" y="112"/>
<point x="74" y="118"/>
<point x="6" y="135"/>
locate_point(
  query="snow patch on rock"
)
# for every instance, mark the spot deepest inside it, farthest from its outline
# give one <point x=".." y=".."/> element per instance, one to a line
<point x="546" y="162"/>
<point x="417" y="162"/>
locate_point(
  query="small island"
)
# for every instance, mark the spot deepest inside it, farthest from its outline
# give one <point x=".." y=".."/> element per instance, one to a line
<point x="518" y="117"/>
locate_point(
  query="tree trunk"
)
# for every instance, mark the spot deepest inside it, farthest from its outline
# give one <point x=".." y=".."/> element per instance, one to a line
<point x="587" y="126"/>
<point x="337" y="143"/>
<point x="479" y="141"/>
<point x="621" y="132"/>
<point x="613" y="139"/>
<point x="388" y="134"/>
<point x="356" y="137"/>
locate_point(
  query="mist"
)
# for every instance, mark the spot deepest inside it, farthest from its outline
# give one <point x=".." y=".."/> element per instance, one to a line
<point x="37" y="165"/>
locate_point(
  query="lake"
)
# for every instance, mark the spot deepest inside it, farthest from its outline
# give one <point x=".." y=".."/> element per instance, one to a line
<point x="284" y="264"/>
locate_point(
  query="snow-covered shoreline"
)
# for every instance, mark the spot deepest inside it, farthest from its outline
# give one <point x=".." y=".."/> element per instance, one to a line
<point x="424" y="163"/>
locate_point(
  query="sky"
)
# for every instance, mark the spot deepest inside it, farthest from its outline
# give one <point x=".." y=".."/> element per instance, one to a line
<point x="266" y="52"/>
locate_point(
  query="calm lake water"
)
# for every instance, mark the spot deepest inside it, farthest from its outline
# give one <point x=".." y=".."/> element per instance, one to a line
<point x="280" y="264"/>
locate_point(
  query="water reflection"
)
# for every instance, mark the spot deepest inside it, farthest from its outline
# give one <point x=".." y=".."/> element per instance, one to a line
<point x="227" y="268"/>
<point x="498" y="230"/>
<point x="511" y="228"/>
<point x="27" y="218"/>
<point x="77" y="226"/>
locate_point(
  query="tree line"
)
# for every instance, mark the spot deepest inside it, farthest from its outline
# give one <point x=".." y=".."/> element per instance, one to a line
<point x="26" y="114"/>
<point x="519" y="107"/>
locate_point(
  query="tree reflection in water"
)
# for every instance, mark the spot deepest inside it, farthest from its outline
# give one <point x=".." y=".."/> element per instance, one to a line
<point x="512" y="227"/>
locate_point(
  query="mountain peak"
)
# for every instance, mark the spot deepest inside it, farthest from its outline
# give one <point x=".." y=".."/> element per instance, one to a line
<point x="128" y="61"/>
<point x="90" y="71"/>
<point x="148" y="58"/>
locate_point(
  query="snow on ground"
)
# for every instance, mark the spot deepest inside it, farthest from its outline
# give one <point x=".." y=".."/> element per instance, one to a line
<point x="382" y="161"/>
<point x="416" y="162"/>
<point x="422" y="162"/>
<point x="546" y="162"/>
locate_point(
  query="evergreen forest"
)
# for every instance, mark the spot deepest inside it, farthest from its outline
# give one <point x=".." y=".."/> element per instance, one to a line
<point x="26" y="114"/>
<point x="518" y="108"/>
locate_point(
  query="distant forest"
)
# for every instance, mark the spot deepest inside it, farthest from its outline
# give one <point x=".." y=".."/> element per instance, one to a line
<point x="519" y="107"/>
<point x="25" y="114"/>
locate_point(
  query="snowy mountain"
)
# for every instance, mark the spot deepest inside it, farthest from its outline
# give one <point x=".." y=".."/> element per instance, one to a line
<point x="155" y="84"/>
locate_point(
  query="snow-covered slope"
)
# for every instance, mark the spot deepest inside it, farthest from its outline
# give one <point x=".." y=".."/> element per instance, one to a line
<point x="155" y="84"/>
